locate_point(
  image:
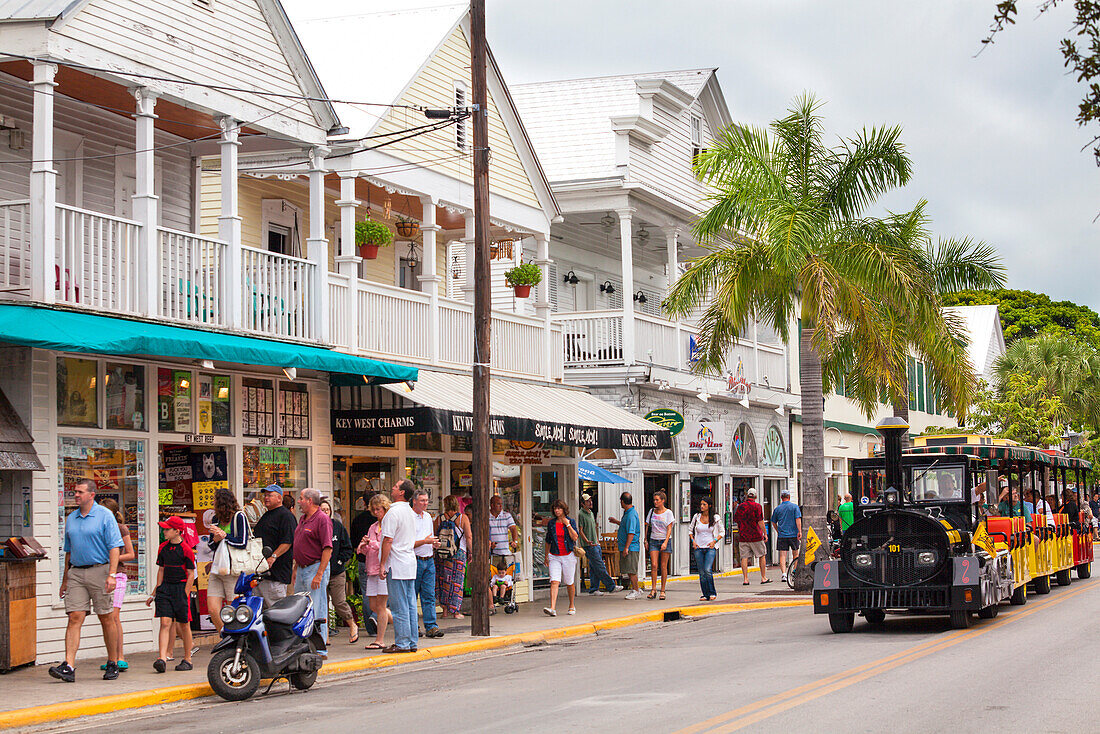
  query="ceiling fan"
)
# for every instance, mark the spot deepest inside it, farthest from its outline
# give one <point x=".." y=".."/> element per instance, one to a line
<point x="607" y="221"/>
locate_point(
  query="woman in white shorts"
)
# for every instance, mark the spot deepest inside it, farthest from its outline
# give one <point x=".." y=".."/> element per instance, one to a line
<point x="374" y="586"/>
<point x="128" y="554"/>
<point x="561" y="539"/>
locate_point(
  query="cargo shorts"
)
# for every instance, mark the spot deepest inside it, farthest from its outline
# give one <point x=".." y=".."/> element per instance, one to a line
<point x="87" y="590"/>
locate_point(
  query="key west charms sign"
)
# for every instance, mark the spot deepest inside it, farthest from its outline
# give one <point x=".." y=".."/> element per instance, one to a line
<point x="360" y="427"/>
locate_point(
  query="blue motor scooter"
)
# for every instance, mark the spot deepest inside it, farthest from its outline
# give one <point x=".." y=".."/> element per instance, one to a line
<point x="282" y="642"/>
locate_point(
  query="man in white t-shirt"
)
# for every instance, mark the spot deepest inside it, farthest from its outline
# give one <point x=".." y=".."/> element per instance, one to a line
<point x="398" y="563"/>
<point x="424" y="548"/>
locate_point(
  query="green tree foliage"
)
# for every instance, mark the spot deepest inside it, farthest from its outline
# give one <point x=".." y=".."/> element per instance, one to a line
<point x="1025" y="314"/>
<point x="1069" y="369"/>
<point x="1090" y="451"/>
<point x="1022" y="411"/>
<point x="1080" y="51"/>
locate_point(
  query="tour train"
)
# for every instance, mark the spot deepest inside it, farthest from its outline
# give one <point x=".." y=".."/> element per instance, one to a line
<point x="940" y="529"/>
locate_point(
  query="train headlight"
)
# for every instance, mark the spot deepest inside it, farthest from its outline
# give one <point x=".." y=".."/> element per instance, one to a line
<point x="862" y="559"/>
<point x="926" y="558"/>
<point x="244" y="614"/>
<point x="226" y="614"/>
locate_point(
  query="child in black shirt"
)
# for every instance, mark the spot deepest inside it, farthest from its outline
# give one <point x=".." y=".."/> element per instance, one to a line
<point x="175" y="572"/>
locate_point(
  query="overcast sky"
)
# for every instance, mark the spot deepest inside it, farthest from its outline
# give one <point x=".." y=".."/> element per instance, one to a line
<point x="995" y="147"/>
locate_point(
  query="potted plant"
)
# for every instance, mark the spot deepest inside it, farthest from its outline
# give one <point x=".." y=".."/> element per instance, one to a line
<point x="522" y="277"/>
<point x="407" y="228"/>
<point x="371" y="235"/>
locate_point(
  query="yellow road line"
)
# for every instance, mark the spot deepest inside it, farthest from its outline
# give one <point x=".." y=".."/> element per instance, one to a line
<point x="755" y="712"/>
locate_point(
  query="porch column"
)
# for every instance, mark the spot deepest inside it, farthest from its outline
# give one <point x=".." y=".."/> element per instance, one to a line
<point x="347" y="263"/>
<point x="145" y="202"/>
<point x="43" y="244"/>
<point x="671" y="236"/>
<point x="317" y="245"/>
<point x="229" y="225"/>
<point x="429" y="276"/>
<point x="542" y="301"/>
<point x="626" y="237"/>
<point x="468" y="241"/>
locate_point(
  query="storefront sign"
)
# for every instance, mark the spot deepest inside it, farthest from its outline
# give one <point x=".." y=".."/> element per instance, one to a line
<point x="197" y="438"/>
<point x="526" y="452"/>
<point x="709" y="437"/>
<point x="736" y="382"/>
<point x="358" y="427"/>
<point x="667" y="418"/>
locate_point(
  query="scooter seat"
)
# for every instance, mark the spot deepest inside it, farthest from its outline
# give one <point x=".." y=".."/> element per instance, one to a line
<point x="287" y="610"/>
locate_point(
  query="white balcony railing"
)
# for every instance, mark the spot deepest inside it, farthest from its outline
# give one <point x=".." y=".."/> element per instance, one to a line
<point x="338" y="324"/>
<point x="592" y="338"/>
<point x="456" y="319"/>
<point x="98" y="261"/>
<point x="15" y="245"/>
<point x="193" y="278"/>
<point x="278" y="294"/>
<point x="394" y="322"/>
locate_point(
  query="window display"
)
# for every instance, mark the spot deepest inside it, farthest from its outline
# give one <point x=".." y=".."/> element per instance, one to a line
<point x="287" y="467"/>
<point x="174" y="400"/>
<point x="76" y="392"/>
<point x="124" y="385"/>
<point x="215" y="405"/>
<point x="118" y="469"/>
<point x="258" y="408"/>
<point x="293" y="411"/>
<point x="426" y="473"/>
<point x="423" y="442"/>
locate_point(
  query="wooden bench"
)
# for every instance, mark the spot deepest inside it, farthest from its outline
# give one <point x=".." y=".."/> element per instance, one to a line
<point x="609" y="548"/>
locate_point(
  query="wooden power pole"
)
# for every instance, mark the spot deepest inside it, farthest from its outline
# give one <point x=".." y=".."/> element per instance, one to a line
<point x="482" y="449"/>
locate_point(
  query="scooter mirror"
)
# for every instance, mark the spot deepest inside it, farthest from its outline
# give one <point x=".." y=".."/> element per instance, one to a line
<point x="267" y="551"/>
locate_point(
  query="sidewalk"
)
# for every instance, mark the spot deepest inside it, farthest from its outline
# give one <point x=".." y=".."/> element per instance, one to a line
<point x="141" y="686"/>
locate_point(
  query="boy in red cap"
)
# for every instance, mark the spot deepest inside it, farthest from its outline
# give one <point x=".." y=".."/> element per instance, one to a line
<point x="175" y="572"/>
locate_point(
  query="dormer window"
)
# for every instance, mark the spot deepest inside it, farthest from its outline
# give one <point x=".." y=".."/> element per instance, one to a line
<point x="696" y="137"/>
<point x="460" y="126"/>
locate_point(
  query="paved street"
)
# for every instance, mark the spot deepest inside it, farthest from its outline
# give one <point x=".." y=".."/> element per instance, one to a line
<point x="779" y="670"/>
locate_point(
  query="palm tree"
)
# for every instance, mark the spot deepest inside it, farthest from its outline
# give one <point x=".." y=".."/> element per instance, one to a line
<point x="1070" y="369"/>
<point x="788" y="237"/>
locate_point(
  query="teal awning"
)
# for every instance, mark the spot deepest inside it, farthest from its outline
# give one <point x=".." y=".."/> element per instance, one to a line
<point x="71" y="331"/>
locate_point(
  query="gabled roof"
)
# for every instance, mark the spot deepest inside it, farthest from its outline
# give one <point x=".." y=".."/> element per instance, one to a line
<point x="371" y="50"/>
<point x="570" y="120"/>
<point x="986" y="340"/>
<point x="34" y="9"/>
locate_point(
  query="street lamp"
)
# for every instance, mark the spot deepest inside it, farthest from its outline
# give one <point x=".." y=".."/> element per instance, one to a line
<point x="840" y="443"/>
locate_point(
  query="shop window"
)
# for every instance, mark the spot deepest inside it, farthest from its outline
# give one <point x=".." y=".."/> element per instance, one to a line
<point x="744" y="446"/>
<point x="265" y="465"/>
<point x="423" y="442"/>
<point x="774" y="453"/>
<point x="293" y="410"/>
<point x="258" y="408"/>
<point x="124" y="386"/>
<point x="464" y="444"/>
<point x="174" y="400"/>
<point x="76" y="392"/>
<point x="117" y="466"/>
<point x="426" y="473"/>
<point x="462" y="481"/>
<point x="215" y="405"/>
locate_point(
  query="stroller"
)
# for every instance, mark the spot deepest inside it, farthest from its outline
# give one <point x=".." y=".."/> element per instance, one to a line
<point x="502" y="580"/>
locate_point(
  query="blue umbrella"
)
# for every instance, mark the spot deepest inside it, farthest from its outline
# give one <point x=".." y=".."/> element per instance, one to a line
<point x="593" y="473"/>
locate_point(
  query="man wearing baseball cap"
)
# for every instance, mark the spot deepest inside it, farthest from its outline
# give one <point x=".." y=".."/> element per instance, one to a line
<point x="749" y="518"/>
<point x="276" y="529"/>
<point x="590" y="540"/>
<point x="787" y="521"/>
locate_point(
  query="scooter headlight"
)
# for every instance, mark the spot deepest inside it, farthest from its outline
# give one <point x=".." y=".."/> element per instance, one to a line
<point x="226" y="614"/>
<point x="244" y="614"/>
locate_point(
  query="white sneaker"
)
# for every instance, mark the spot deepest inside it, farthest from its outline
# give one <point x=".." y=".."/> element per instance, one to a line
<point x="571" y="612"/>
<point x="549" y="612"/>
<point x="784" y="578"/>
<point x="597" y="592"/>
<point x="617" y="589"/>
<point x="634" y="595"/>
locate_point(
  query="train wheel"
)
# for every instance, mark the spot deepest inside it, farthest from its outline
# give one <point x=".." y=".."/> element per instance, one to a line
<point x="960" y="618"/>
<point x="1019" y="595"/>
<point x="874" y="616"/>
<point x="1042" y="584"/>
<point x="842" y="621"/>
<point x="1063" y="578"/>
<point x="989" y="612"/>
<point x="1084" y="570"/>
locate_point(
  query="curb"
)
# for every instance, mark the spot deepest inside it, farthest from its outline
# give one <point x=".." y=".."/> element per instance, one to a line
<point x="172" y="694"/>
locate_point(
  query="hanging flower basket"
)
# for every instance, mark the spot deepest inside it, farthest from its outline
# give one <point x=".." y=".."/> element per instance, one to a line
<point x="371" y="235"/>
<point x="408" y="228"/>
<point x="522" y="277"/>
<point x="522" y="291"/>
<point x="368" y="252"/>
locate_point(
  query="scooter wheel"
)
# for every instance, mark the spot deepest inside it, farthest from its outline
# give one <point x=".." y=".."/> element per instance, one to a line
<point x="304" y="681"/>
<point x="229" y="684"/>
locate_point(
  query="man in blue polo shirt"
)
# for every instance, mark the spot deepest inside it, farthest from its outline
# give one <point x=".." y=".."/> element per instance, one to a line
<point x="787" y="521"/>
<point x="630" y="545"/>
<point x="92" y="546"/>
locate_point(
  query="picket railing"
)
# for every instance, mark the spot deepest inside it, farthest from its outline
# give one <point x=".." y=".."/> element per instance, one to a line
<point x="193" y="278"/>
<point x="277" y="294"/>
<point x="15" y="246"/>
<point x="97" y="260"/>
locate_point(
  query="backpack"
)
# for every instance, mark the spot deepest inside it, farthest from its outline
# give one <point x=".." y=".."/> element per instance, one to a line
<point x="448" y="539"/>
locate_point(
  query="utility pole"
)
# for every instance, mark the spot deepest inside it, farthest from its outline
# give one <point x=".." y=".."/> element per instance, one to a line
<point x="482" y="449"/>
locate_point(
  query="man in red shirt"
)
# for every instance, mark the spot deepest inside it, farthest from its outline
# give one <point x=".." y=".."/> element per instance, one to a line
<point x="749" y="517"/>
<point x="312" y="551"/>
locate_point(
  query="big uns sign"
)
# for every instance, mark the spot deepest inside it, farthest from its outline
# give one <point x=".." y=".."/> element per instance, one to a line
<point x="351" y="427"/>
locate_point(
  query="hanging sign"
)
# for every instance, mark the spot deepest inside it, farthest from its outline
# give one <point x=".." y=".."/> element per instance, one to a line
<point x="736" y="382"/>
<point x="709" y="437"/>
<point x="667" y="418"/>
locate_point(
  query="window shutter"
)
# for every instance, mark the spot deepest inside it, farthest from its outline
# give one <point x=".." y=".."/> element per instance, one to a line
<point x="456" y="269"/>
<point x="552" y="272"/>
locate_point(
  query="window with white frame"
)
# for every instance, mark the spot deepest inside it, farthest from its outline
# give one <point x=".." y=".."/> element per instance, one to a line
<point x="460" y="126"/>
<point x="281" y="228"/>
<point x="696" y="136"/>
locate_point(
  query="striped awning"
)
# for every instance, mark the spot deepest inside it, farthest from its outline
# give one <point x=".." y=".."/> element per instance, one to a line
<point x="1004" y="453"/>
<point x="442" y="402"/>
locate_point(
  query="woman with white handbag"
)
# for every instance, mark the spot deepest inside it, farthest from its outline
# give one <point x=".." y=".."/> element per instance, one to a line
<point x="229" y="537"/>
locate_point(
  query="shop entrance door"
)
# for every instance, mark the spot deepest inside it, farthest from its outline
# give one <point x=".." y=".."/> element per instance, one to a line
<point x="741" y="487"/>
<point x="355" y="479"/>
<point x="546" y="486"/>
<point x="703" y="486"/>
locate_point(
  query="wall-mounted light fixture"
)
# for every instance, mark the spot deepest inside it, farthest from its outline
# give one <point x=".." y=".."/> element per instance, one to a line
<point x="571" y="278"/>
<point x="607" y="288"/>
<point x="640" y="297"/>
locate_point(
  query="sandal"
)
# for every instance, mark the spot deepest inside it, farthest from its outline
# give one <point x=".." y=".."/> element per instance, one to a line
<point x="353" y="640"/>
<point x="765" y="581"/>
<point x="374" y="646"/>
<point x="702" y="598"/>
<point x="652" y="595"/>
<point x="662" y="597"/>
<point x="745" y="583"/>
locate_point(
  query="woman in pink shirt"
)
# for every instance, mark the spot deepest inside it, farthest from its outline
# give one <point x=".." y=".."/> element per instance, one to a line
<point x="373" y="583"/>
